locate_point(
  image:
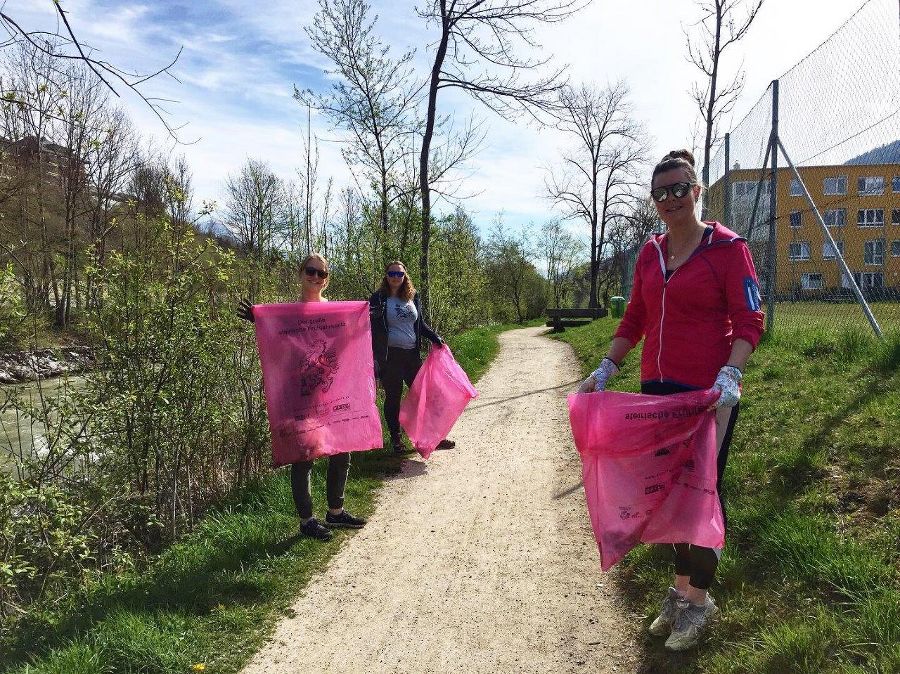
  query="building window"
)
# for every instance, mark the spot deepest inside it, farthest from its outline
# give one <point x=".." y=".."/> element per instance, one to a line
<point x="828" y="251"/>
<point x="835" y="217"/>
<point x="798" y="250"/>
<point x="895" y="216"/>
<point x="874" y="252"/>
<point x="869" y="279"/>
<point x="895" y="248"/>
<point x="870" y="184"/>
<point x="811" y="281"/>
<point x="836" y="185"/>
<point x="796" y="218"/>
<point x="895" y="184"/>
<point x="796" y="189"/>
<point x="870" y="217"/>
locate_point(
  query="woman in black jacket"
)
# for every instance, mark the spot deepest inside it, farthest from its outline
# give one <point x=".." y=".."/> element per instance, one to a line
<point x="397" y="329"/>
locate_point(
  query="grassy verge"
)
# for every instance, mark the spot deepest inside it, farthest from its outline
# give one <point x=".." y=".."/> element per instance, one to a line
<point x="209" y="602"/>
<point x="810" y="578"/>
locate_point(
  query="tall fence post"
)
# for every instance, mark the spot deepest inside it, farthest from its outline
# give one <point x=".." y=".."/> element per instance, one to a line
<point x="772" y="252"/>
<point x="726" y="206"/>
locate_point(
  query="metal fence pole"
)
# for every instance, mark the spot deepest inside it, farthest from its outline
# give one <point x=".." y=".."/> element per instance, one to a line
<point x="726" y="206"/>
<point x="840" y="258"/>
<point x="772" y="253"/>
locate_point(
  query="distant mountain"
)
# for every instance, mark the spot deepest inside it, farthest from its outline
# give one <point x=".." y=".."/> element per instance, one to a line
<point x="886" y="154"/>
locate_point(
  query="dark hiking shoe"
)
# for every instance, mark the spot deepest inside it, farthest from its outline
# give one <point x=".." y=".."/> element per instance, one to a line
<point x="314" y="529"/>
<point x="397" y="445"/>
<point x="344" y="520"/>
<point x="446" y="444"/>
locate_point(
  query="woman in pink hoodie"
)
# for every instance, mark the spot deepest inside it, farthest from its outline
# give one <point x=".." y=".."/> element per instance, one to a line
<point x="695" y="302"/>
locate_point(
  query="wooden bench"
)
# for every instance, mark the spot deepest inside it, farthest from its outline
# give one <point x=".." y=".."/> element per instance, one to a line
<point x="560" y="319"/>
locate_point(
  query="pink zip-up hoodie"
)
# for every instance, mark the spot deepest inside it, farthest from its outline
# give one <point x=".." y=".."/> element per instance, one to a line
<point x="690" y="321"/>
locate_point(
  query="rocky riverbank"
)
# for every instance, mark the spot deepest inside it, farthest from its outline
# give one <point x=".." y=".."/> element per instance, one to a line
<point x="23" y="366"/>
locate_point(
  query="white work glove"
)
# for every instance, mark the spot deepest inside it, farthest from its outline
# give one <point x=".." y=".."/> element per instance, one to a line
<point x="599" y="377"/>
<point x="728" y="381"/>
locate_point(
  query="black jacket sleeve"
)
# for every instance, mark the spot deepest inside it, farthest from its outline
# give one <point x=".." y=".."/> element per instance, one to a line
<point x="426" y="329"/>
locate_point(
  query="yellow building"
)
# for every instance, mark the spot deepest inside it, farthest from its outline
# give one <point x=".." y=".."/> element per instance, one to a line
<point x="860" y="205"/>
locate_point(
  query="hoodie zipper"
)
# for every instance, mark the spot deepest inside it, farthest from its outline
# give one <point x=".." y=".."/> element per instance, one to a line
<point x="662" y="265"/>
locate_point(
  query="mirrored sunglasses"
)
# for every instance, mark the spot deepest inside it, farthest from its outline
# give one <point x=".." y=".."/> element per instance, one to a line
<point x="677" y="190"/>
<point x="396" y="274"/>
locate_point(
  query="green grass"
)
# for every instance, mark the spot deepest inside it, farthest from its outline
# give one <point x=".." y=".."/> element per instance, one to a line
<point x="214" y="597"/>
<point x="810" y="578"/>
<point x="834" y="316"/>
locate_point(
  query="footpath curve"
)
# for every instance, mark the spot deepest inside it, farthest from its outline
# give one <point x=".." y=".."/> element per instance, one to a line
<point x="479" y="560"/>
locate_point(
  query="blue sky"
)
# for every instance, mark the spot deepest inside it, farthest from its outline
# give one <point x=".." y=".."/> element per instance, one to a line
<point x="241" y="61"/>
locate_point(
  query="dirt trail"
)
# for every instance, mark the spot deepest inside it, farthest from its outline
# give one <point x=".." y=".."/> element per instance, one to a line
<point x="481" y="559"/>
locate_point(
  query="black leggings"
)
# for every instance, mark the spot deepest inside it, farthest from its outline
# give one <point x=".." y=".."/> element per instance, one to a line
<point x="693" y="560"/>
<point x="335" y="481"/>
<point x="402" y="365"/>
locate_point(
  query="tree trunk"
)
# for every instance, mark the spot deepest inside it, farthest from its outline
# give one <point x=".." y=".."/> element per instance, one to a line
<point x="426" y="151"/>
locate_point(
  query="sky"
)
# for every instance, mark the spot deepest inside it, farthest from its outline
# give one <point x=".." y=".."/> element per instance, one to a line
<point x="241" y="60"/>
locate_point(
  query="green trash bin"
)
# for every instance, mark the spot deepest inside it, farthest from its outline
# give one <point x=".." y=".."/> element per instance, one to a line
<point x="617" y="304"/>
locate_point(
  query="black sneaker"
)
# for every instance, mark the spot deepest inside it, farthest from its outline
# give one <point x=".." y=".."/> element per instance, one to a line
<point x="397" y="445"/>
<point x="345" y="520"/>
<point x="314" y="529"/>
<point x="446" y="444"/>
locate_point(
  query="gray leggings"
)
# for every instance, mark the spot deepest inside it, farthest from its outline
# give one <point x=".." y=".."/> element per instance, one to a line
<point x="335" y="481"/>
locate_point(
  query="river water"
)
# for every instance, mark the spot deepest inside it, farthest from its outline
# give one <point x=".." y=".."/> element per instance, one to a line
<point x="18" y="431"/>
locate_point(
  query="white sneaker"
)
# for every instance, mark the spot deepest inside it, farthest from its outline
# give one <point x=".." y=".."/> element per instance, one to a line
<point x="690" y="621"/>
<point x="663" y="623"/>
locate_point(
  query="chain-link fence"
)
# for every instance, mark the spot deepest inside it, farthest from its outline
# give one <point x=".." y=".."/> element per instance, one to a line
<point x="821" y="151"/>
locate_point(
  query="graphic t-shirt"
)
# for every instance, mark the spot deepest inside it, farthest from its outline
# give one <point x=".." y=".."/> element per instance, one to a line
<point x="401" y="319"/>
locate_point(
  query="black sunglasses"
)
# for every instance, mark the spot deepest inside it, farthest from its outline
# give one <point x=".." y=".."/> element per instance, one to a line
<point x="677" y="190"/>
<point x="396" y="274"/>
<point x="312" y="271"/>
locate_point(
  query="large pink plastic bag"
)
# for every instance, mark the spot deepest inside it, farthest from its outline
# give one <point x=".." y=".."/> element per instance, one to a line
<point x="649" y="468"/>
<point x="438" y="396"/>
<point x="318" y="377"/>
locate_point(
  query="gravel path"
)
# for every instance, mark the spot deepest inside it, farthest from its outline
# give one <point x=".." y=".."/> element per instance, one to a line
<point x="481" y="559"/>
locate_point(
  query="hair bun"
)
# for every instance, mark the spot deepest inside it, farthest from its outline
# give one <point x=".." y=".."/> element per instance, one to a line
<point x="684" y="154"/>
<point x="687" y="155"/>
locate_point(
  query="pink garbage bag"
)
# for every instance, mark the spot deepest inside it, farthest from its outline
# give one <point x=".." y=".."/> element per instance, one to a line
<point x="318" y="377"/>
<point x="437" y="397"/>
<point x="649" y="468"/>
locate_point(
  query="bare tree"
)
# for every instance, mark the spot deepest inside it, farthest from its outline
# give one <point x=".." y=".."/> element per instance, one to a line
<point x="562" y="253"/>
<point x="254" y="202"/>
<point x="600" y="172"/>
<point x="64" y="46"/>
<point x="719" y="27"/>
<point x="373" y="99"/>
<point x="479" y="51"/>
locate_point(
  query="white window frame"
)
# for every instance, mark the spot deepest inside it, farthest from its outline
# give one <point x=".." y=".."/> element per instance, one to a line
<point x="839" y="185"/>
<point x="796" y="189"/>
<point x="895" y="248"/>
<point x="828" y="253"/>
<point x="876" y="221"/>
<point x="804" y="247"/>
<point x="895" y="185"/>
<point x="799" y="215"/>
<point x="873" y="257"/>
<point x="895" y="216"/>
<point x="870" y="185"/>
<point x="835" y="215"/>
<point x="806" y="281"/>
